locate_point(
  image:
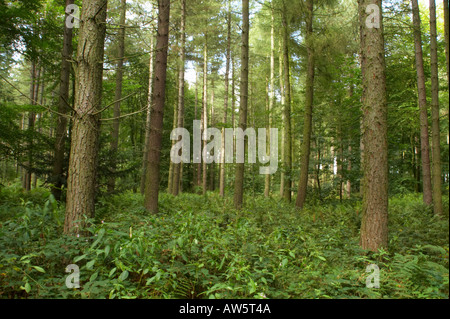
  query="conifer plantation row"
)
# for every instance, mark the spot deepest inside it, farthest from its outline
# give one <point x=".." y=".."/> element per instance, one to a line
<point x="224" y="149"/>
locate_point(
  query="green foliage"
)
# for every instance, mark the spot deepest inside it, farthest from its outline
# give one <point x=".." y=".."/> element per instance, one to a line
<point x="200" y="247"/>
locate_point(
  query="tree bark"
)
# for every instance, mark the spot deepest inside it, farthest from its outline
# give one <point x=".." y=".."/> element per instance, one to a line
<point x="114" y="144"/>
<point x="205" y="113"/>
<point x="157" y="110"/>
<point x="86" y="119"/>
<point x="147" y="122"/>
<point x="63" y="100"/>
<point x="177" y="167"/>
<point x="307" y="125"/>
<point x="374" y="224"/>
<point x="239" y="177"/>
<point x="421" y="89"/>
<point x="436" y="135"/>
<point x="446" y="26"/>
<point x="225" y="113"/>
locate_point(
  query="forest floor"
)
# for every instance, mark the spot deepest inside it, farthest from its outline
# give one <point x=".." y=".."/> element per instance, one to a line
<point x="200" y="247"/>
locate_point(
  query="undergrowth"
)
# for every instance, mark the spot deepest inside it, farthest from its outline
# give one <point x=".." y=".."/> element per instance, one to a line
<point x="200" y="247"/>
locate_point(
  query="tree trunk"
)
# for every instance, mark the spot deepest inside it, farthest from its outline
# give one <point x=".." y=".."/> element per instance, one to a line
<point x="271" y="95"/>
<point x="147" y="122"/>
<point x="117" y="96"/>
<point x="287" y="159"/>
<point x="374" y="224"/>
<point x="424" y="138"/>
<point x="177" y="167"/>
<point x="225" y="113"/>
<point x="239" y="177"/>
<point x="446" y="26"/>
<point x="436" y="135"/>
<point x="63" y="100"/>
<point x="205" y="113"/>
<point x="283" y="99"/>
<point x="157" y="110"/>
<point x="307" y="125"/>
<point x="86" y="119"/>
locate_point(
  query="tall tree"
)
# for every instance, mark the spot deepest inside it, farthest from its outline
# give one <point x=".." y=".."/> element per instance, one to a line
<point x="225" y="112"/>
<point x="177" y="167"/>
<point x="114" y="145"/>
<point x="436" y="134"/>
<point x="421" y="89"/>
<point x="148" y="117"/>
<point x="374" y="223"/>
<point x="239" y="177"/>
<point x="61" y="124"/>
<point x="271" y="92"/>
<point x="157" y="110"/>
<point x="309" y="100"/>
<point x="446" y="27"/>
<point x="205" y="112"/>
<point x="287" y="158"/>
<point x="86" y="118"/>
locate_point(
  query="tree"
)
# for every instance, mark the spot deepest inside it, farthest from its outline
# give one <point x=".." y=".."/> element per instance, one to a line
<point x="157" y="110"/>
<point x="86" y="118"/>
<point x="114" y="145"/>
<point x="446" y="27"/>
<point x="177" y="167"/>
<point x="226" y="95"/>
<point x="61" y="124"/>
<point x="287" y="138"/>
<point x="374" y="227"/>
<point x="436" y="135"/>
<point x="239" y="177"/>
<point x="421" y="89"/>
<point x="307" y="126"/>
<point x="148" y="117"/>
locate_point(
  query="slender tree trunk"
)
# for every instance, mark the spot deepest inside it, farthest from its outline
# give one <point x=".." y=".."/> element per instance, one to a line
<point x="239" y="177"/>
<point x="374" y="224"/>
<point x="157" y="111"/>
<point x="114" y="146"/>
<point x="63" y="108"/>
<point x="421" y="89"/>
<point x="212" y="166"/>
<point x="436" y="136"/>
<point x="446" y="26"/>
<point x="271" y="94"/>
<point x="287" y="159"/>
<point x="177" y="167"/>
<point x="283" y="99"/>
<point x="86" y="119"/>
<point x="205" y="113"/>
<point x="307" y="126"/>
<point x="147" y="122"/>
<point x="225" y="113"/>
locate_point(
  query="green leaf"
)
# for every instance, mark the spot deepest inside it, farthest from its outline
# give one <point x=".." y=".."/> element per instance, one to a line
<point x="123" y="275"/>
<point x="90" y="264"/>
<point x="40" y="269"/>
<point x="78" y="258"/>
<point x="93" y="276"/>
<point x="107" y="249"/>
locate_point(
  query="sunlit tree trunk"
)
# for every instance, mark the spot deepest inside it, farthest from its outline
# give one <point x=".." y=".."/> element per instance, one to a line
<point x="86" y="118"/>
<point x="374" y="223"/>
<point x="436" y="135"/>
